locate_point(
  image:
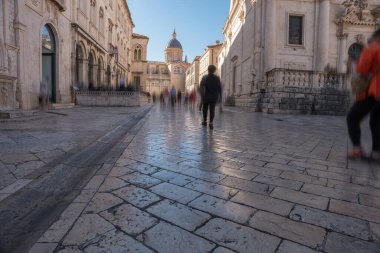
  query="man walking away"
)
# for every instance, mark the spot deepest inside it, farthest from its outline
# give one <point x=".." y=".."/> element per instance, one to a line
<point x="367" y="102"/>
<point x="211" y="89"/>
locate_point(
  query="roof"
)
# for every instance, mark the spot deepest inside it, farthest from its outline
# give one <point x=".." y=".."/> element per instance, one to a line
<point x="174" y="43"/>
<point x="139" y="36"/>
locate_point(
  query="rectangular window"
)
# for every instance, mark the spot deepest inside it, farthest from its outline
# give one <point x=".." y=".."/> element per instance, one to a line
<point x="295" y="30"/>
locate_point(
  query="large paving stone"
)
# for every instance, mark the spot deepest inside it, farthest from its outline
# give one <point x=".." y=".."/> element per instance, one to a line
<point x="119" y="171"/>
<point x="118" y="242"/>
<point x="137" y="196"/>
<point x="19" y="184"/>
<point x="246" y="185"/>
<point x="212" y="189"/>
<point x="182" y="216"/>
<point x="297" y="176"/>
<point x="175" y="192"/>
<point x="236" y="173"/>
<point x="14" y="158"/>
<point x="302" y="233"/>
<point x="237" y="237"/>
<point x="263" y="202"/>
<point x="43" y="248"/>
<point x="330" y="192"/>
<point x="355" y="210"/>
<point x="101" y="202"/>
<point x="276" y="181"/>
<point x="368" y="200"/>
<point x="205" y="175"/>
<point x="341" y="243"/>
<point x="168" y="238"/>
<point x="222" y="208"/>
<point x="335" y="222"/>
<point x="141" y="180"/>
<point x="129" y="219"/>
<point x="262" y="170"/>
<point x="112" y="183"/>
<point x="300" y="198"/>
<point x="174" y="178"/>
<point x="375" y="232"/>
<point x="291" y="247"/>
<point x="86" y="229"/>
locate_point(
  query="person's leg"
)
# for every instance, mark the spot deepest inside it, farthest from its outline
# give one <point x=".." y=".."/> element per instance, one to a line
<point x="212" y="112"/>
<point x="205" y="111"/>
<point x="358" y="111"/>
<point x="375" y="127"/>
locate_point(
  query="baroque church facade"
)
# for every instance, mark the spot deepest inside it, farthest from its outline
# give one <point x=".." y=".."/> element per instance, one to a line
<point x="291" y="56"/>
<point x="155" y="76"/>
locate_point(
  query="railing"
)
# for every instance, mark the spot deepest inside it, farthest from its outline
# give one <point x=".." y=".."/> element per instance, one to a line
<point x="109" y="93"/>
<point x="304" y="79"/>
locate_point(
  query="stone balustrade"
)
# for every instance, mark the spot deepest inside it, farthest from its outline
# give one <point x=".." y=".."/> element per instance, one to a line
<point x="111" y="98"/>
<point x="304" y="79"/>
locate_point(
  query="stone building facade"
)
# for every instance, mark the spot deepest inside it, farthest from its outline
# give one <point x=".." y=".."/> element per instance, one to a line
<point x="69" y="44"/>
<point x="291" y="56"/>
<point x="192" y="75"/>
<point x="209" y="57"/>
<point x="172" y="72"/>
<point x="139" y="61"/>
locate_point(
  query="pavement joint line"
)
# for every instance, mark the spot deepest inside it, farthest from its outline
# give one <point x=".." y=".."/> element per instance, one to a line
<point x="10" y="244"/>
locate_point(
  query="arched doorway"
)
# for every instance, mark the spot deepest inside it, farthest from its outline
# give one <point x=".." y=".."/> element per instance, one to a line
<point x="79" y="68"/>
<point x="49" y="61"/>
<point x="91" y="72"/>
<point x="355" y="51"/>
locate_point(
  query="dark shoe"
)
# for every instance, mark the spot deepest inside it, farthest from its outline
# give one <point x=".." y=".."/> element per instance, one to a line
<point x="204" y="123"/>
<point x="355" y="153"/>
<point x="211" y="126"/>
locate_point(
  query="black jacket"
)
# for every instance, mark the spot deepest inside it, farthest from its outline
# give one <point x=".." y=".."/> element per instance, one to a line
<point x="212" y="88"/>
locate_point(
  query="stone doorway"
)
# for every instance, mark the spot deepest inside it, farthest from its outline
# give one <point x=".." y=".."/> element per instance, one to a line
<point x="49" y="62"/>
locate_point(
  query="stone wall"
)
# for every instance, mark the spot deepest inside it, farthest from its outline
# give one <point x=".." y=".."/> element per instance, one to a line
<point x="111" y="98"/>
<point x="321" y="101"/>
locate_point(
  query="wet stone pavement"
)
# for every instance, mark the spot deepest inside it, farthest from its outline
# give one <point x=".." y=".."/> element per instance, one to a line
<point x="27" y="145"/>
<point x="256" y="183"/>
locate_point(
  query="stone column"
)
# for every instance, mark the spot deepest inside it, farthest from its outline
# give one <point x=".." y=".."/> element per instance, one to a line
<point x="342" y="53"/>
<point x="322" y="54"/>
<point x="270" y="35"/>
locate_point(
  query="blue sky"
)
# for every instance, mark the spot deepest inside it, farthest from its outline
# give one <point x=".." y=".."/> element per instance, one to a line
<point x="198" y="23"/>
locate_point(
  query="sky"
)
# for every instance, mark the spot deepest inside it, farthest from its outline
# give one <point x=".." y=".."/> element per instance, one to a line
<point x="198" y="23"/>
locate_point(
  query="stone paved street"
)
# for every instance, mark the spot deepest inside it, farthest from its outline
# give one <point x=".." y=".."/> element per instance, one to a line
<point x="256" y="183"/>
<point x="27" y="145"/>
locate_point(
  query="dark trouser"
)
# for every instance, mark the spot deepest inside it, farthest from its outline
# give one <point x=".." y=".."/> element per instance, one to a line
<point x="357" y="113"/>
<point x="210" y="105"/>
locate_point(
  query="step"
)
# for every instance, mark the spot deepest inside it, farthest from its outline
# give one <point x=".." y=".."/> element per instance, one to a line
<point x="11" y="114"/>
<point x="62" y="106"/>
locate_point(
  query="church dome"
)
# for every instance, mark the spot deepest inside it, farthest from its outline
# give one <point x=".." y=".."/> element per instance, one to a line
<point x="174" y="43"/>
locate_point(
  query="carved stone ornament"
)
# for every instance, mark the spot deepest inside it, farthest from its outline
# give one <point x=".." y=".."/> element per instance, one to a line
<point x="357" y="13"/>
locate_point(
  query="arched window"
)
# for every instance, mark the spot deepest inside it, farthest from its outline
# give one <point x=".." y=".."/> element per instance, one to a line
<point x="101" y="21"/>
<point x="138" y="53"/>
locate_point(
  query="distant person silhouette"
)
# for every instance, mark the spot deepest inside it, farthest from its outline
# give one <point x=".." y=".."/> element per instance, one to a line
<point x="211" y="90"/>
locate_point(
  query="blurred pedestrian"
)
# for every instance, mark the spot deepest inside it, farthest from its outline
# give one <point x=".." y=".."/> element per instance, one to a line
<point x="44" y="93"/>
<point x="179" y="97"/>
<point x="173" y="95"/>
<point x="211" y="89"/>
<point x="367" y="89"/>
